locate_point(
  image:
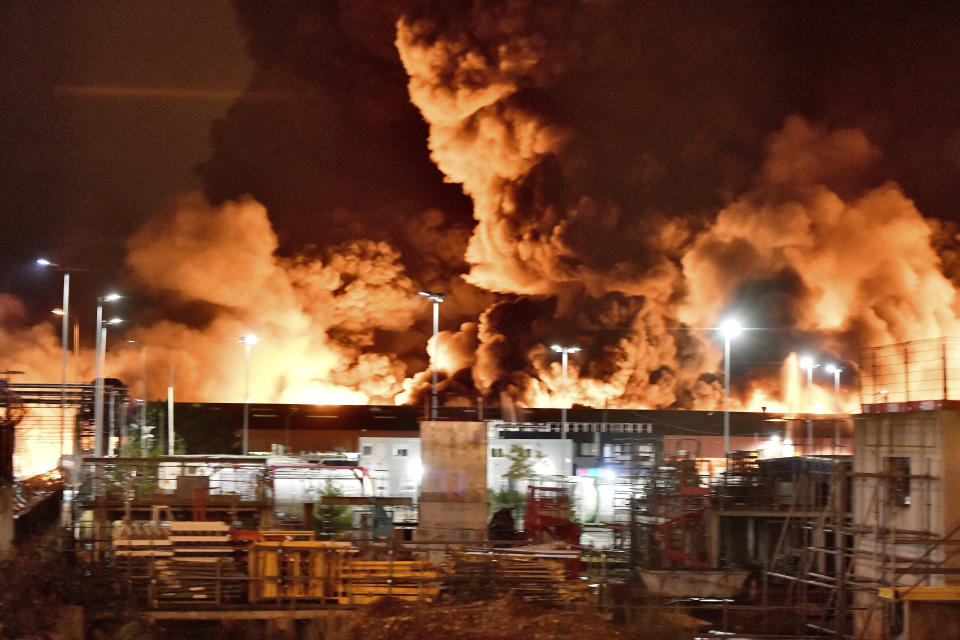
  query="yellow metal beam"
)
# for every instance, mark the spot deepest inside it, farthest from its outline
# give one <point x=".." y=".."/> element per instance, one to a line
<point x="948" y="593"/>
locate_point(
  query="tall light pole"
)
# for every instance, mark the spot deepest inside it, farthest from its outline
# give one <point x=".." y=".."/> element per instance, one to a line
<point x="101" y="347"/>
<point x="143" y="399"/>
<point x="730" y="329"/>
<point x="564" y="352"/>
<point x="807" y="363"/>
<point x="835" y="370"/>
<point x="436" y="298"/>
<point x="247" y="341"/>
<point x="65" y="322"/>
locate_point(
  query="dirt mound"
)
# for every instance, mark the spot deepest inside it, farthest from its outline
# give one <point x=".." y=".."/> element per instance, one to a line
<point x="504" y="619"/>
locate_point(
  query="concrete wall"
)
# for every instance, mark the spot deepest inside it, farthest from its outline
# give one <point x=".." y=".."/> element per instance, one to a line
<point x="950" y="486"/>
<point x="930" y="440"/>
<point x="918" y="437"/>
<point x="453" y="490"/>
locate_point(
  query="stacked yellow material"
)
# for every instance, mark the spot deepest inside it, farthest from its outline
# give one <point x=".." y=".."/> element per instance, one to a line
<point x="298" y="570"/>
<point x="368" y="580"/>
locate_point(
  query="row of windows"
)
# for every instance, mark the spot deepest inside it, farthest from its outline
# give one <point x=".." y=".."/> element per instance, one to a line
<point x="497" y="452"/>
<point x="584" y="449"/>
<point x="577" y="427"/>
<point x="367" y="450"/>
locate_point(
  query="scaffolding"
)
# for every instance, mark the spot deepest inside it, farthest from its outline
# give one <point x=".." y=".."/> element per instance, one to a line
<point x="883" y="538"/>
<point x="670" y="525"/>
<point x="919" y="375"/>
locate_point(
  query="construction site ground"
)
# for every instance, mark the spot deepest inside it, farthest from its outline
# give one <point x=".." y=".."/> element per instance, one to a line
<point x="503" y="619"/>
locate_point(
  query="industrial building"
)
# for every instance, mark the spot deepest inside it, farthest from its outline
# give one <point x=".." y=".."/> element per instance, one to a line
<point x="849" y="522"/>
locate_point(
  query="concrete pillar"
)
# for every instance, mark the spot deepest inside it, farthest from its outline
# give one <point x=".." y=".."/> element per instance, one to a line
<point x="6" y="520"/>
<point x="712" y="516"/>
<point x="453" y="491"/>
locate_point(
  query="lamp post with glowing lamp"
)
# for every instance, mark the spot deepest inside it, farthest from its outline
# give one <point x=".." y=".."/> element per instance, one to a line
<point x="807" y="364"/>
<point x="835" y="370"/>
<point x="247" y="341"/>
<point x="143" y="400"/>
<point x="730" y="329"/>
<point x="564" y="352"/>
<point x="101" y="344"/>
<point x="436" y="298"/>
<point x="65" y="321"/>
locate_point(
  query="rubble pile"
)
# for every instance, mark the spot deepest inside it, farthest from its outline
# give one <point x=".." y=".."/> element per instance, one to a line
<point x="503" y="619"/>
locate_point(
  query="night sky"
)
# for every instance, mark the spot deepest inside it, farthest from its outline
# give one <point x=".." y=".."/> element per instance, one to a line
<point x="107" y="109"/>
<point x="112" y="108"/>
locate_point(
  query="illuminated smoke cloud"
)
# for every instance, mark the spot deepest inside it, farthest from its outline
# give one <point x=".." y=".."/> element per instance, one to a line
<point x="315" y="316"/>
<point x="470" y="83"/>
<point x="623" y="200"/>
<point x="807" y="251"/>
<point x="863" y="267"/>
<point x="34" y="350"/>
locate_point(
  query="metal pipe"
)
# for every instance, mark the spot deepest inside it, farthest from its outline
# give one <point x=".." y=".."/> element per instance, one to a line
<point x="170" y="434"/>
<point x="436" y="298"/>
<point x="246" y="400"/>
<point x="143" y="400"/>
<point x="111" y="424"/>
<point x="563" y="408"/>
<point x="433" y="365"/>
<point x="726" y="393"/>
<point x="809" y="409"/>
<point x="65" y="325"/>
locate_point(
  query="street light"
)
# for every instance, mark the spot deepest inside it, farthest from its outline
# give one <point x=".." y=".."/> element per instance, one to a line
<point x="730" y="329"/>
<point x="564" y="352"/>
<point x="835" y="370"/>
<point x="143" y="399"/>
<point x="247" y="341"/>
<point x="807" y="363"/>
<point x="436" y="298"/>
<point x="64" y="323"/>
<point x="101" y="348"/>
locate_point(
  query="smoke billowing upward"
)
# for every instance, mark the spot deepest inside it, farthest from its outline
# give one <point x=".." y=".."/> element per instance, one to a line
<point x="810" y="248"/>
<point x="314" y="314"/>
<point x="613" y="174"/>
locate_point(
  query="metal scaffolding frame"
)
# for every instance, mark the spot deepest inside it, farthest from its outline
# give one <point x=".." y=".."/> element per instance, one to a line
<point x="852" y="570"/>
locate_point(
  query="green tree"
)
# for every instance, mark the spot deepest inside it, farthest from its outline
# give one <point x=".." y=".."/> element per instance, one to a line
<point x="522" y="462"/>
<point x="144" y="443"/>
<point x="150" y="441"/>
<point x="509" y="498"/>
<point x="331" y="519"/>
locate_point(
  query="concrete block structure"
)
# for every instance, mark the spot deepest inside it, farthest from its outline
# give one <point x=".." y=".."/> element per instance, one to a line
<point x="453" y="490"/>
<point x="906" y="516"/>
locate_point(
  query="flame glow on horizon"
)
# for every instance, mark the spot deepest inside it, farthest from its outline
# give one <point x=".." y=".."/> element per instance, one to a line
<point x="838" y="262"/>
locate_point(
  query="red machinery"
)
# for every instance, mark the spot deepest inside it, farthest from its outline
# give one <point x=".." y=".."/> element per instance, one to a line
<point x="683" y="532"/>
<point x="549" y="516"/>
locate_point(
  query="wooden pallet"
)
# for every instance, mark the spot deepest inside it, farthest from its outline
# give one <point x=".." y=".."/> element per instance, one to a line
<point x="544" y="580"/>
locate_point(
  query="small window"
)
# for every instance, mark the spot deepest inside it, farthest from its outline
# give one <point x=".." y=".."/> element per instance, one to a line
<point x="401" y="453"/>
<point x="898" y="478"/>
<point x="366" y="450"/>
<point x="496" y="452"/>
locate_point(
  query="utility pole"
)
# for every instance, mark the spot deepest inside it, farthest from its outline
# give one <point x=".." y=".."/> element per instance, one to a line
<point x="436" y="298"/>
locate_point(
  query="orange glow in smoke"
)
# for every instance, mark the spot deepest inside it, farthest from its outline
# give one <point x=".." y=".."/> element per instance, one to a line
<point x="792" y="396"/>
